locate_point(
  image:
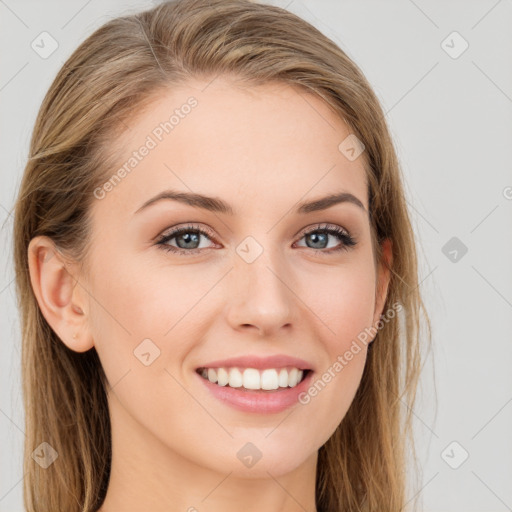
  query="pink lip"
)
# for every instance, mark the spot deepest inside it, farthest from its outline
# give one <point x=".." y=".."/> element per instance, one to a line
<point x="260" y="363"/>
<point x="258" y="401"/>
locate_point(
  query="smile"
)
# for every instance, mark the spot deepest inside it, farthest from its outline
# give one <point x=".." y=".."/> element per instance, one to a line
<point x="254" y="398"/>
<point x="270" y="379"/>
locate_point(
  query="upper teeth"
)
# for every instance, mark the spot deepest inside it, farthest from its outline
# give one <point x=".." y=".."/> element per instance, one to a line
<point x="251" y="378"/>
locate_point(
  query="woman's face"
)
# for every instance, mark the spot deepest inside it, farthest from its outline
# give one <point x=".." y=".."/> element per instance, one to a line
<point x="262" y="280"/>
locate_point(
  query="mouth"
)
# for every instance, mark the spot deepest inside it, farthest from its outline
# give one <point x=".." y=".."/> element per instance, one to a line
<point x="270" y="380"/>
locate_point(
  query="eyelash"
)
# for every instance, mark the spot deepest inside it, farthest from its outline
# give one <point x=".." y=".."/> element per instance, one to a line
<point x="340" y="233"/>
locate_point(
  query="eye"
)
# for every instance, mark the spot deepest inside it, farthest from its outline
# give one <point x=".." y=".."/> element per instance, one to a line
<point x="319" y="237"/>
<point x="188" y="239"/>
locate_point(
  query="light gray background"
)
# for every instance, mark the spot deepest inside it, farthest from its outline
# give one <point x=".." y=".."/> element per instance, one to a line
<point x="451" y="119"/>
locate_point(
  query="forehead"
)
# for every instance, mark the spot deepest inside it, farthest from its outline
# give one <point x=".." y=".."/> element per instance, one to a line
<point x="272" y="142"/>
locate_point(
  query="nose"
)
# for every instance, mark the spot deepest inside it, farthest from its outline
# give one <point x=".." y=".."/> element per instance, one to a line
<point x="261" y="296"/>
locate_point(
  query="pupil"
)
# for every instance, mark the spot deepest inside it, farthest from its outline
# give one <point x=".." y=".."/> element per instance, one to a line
<point x="194" y="238"/>
<point x="316" y="235"/>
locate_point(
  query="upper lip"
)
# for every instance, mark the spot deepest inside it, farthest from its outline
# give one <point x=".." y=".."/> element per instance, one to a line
<point x="260" y="363"/>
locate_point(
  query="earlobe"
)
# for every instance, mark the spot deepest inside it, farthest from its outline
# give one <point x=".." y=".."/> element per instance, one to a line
<point x="58" y="294"/>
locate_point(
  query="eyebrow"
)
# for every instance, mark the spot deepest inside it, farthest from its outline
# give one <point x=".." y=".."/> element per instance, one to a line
<point x="215" y="204"/>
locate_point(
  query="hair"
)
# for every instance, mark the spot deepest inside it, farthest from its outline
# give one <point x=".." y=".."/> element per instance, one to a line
<point x="102" y="86"/>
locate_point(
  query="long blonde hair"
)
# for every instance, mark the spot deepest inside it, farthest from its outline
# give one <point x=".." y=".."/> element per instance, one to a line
<point x="112" y="74"/>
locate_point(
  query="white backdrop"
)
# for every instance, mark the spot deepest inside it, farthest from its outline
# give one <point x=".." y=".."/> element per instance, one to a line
<point x="443" y="72"/>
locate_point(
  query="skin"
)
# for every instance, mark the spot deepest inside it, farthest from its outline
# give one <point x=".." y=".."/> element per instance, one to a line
<point x="262" y="150"/>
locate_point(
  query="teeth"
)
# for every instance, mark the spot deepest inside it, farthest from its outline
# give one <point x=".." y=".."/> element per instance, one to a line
<point x="283" y="378"/>
<point x="235" y="378"/>
<point x="251" y="378"/>
<point x="222" y="377"/>
<point x="269" y="379"/>
<point x="292" y="377"/>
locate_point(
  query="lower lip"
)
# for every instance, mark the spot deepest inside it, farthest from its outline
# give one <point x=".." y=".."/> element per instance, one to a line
<point x="258" y="401"/>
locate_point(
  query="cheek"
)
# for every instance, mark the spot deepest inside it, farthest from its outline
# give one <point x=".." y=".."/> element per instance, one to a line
<point x="345" y="307"/>
<point x="128" y="306"/>
<point x="344" y="301"/>
<point x="135" y="299"/>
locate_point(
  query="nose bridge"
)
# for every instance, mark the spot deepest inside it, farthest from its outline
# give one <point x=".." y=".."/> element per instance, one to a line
<point x="260" y="289"/>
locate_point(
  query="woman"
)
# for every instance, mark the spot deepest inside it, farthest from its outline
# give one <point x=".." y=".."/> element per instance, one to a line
<point x="216" y="272"/>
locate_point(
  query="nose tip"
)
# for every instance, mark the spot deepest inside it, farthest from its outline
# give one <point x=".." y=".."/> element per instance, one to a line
<point x="260" y="297"/>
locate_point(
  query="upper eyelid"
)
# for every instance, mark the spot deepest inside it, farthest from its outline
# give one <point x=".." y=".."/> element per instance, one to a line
<point x="320" y="226"/>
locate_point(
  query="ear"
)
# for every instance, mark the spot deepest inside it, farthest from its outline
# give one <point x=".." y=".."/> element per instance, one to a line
<point x="383" y="277"/>
<point x="60" y="296"/>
